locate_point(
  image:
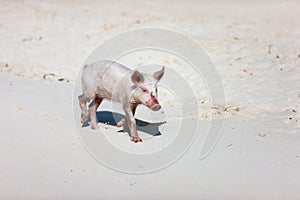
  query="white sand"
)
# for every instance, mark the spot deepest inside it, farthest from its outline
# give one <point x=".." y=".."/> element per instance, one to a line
<point x="256" y="48"/>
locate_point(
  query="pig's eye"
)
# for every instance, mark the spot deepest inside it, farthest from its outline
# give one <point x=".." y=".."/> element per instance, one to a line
<point x="144" y="90"/>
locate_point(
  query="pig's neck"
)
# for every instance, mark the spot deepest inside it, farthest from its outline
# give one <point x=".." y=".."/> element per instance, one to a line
<point x="135" y="101"/>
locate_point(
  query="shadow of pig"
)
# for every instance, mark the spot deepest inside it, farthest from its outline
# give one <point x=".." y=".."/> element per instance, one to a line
<point x="112" y="118"/>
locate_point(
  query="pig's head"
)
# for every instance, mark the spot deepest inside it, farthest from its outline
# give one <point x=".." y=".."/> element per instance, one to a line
<point x="146" y="88"/>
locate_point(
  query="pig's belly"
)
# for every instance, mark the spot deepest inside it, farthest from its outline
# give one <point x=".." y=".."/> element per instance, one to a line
<point x="109" y="93"/>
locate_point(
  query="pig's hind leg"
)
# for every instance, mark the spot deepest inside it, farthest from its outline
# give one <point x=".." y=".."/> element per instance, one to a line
<point x="122" y="122"/>
<point x="82" y="103"/>
<point x="92" y="109"/>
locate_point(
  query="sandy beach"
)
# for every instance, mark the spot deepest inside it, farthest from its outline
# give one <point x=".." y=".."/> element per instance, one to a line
<point x="47" y="154"/>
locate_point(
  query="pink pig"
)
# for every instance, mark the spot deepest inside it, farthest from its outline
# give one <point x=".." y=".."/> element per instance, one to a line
<point x="113" y="81"/>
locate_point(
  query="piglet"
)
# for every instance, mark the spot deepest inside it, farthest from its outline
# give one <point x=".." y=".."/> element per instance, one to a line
<point x="113" y="81"/>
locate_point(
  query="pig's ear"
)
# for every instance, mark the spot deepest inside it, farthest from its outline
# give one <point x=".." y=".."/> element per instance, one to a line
<point x="137" y="77"/>
<point x="159" y="74"/>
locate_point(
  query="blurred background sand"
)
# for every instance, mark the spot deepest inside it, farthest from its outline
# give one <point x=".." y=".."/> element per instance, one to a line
<point x="255" y="45"/>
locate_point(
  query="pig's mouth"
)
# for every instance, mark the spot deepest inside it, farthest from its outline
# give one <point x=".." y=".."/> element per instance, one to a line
<point x="153" y="104"/>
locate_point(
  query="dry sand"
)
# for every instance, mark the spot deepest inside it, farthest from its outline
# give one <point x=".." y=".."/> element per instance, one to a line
<point x="256" y="49"/>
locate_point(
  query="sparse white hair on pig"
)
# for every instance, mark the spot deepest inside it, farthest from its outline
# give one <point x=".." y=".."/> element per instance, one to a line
<point x="113" y="81"/>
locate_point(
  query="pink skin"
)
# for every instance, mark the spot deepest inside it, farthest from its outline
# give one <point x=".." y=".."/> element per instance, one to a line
<point x="113" y="81"/>
<point x="153" y="104"/>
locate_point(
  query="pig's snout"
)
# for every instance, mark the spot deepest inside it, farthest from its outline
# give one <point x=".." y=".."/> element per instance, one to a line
<point x="156" y="107"/>
<point x="153" y="104"/>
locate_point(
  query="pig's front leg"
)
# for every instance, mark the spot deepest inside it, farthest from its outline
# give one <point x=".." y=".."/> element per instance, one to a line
<point x="129" y="111"/>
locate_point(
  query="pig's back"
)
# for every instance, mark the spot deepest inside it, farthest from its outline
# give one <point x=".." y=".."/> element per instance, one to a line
<point x="101" y="77"/>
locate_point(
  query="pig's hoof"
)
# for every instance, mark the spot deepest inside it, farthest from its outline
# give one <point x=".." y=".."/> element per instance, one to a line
<point x="84" y="118"/>
<point x="136" y="139"/>
<point x="121" y="123"/>
<point x="94" y="126"/>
